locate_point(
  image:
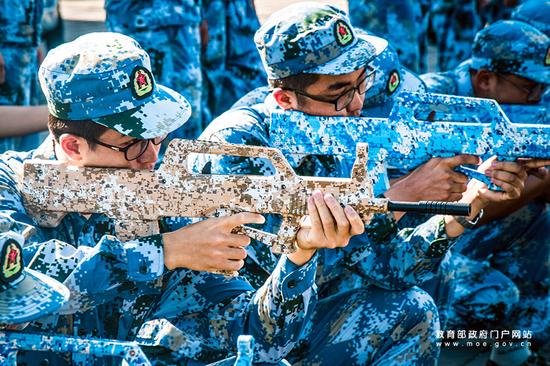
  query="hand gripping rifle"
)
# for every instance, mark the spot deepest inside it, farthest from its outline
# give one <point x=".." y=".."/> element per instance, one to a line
<point x="137" y="199"/>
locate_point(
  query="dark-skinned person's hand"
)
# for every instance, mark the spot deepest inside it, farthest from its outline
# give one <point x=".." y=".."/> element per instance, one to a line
<point x="510" y="176"/>
<point x="435" y="180"/>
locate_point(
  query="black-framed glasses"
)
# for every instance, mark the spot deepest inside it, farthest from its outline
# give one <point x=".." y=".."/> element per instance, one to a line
<point x="135" y="148"/>
<point x="533" y="93"/>
<point x="364" y="83"/>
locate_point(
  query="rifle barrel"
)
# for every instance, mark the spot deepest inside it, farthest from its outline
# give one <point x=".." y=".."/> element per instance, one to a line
<point x="432" y="207"/>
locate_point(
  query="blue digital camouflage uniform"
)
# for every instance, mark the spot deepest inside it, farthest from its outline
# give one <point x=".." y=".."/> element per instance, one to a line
<point x="453" y="82"/>
<point x="169" y="31"/>
<point x="20" y="28"/>
<point x="391" y="78"/>
<point x="231" y="64"/>
<point x="383" y="258"/>
<point x="354" y="282"/>
<point x="454" y="24"/>
<point x="513" y="254"/>
<point x="52" y="36"/>
<point x="117" y="285"/>
<point x="498" y="262"/>
<point x="401" y="22"/>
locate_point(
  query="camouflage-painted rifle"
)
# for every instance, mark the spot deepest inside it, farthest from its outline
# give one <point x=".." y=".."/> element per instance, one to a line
<point x="11" y="342"/>
<point x="527" y="113"/>
<point x="137" y="199"/>
<point x="420" y="126"/>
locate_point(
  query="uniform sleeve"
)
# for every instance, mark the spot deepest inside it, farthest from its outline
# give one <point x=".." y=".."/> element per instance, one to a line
<point x="201" y="314"/>
<point x="94" y="274"/>
<point x="391" y="258"/>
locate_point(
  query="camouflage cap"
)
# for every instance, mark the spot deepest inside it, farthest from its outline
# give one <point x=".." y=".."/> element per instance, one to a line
<point x="106" y="77"/>
<point x="313" y="38"/>
<point x="510" y="46"/>
<point x="390" y="77"/>
<point x="536" y="13"/>
<point x="25" y="294"/>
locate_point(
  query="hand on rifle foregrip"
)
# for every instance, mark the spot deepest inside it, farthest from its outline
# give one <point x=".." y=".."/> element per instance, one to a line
<point x="327" y="225"/>
<point x="535" y="167"/>
<point x="508" y="175"/>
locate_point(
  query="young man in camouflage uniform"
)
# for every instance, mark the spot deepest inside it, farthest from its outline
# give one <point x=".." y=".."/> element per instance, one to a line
<point x="107" y="110"/>
<point x="20" y="30"/>
<point x="369" y="312"/>
<point x="510" y="63"/>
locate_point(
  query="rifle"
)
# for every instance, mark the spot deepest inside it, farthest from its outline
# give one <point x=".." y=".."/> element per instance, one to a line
<point x="137" y="199"/>
<point x="419" y="127"/>
<point x="12" y="342"/>
<point x="527" y="113"/>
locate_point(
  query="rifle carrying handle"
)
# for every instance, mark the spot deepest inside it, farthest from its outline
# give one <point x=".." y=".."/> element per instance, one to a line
<point x="402" y="109"/>
<point x="174" y="155"/>
<point x="432" y="207"/>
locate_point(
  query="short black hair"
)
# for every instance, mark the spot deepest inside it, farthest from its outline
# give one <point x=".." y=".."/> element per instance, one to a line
<point x="86" y="129"/>
<point x="295" y="82"/>
<point x="300" y="81"/>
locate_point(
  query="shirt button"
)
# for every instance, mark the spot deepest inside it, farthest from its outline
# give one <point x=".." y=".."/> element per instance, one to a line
<point x="292" y="284"/>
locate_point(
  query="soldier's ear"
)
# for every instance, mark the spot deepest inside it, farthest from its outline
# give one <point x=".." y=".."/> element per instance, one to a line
<point x="286" y="99"/>
<point x="72" y="146"/>
<point x="484" y="83"/>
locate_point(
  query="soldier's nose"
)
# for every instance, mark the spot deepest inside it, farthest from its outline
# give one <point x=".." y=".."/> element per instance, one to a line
<point x="354" y="108"/>
<point x="150" y="155"/>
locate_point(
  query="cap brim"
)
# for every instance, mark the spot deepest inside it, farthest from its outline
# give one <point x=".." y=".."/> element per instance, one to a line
<point x="541" y="76"/>
<point x="35" y="296"/>
<point x="166" y="111"/>
<point x="363" y="52"/>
